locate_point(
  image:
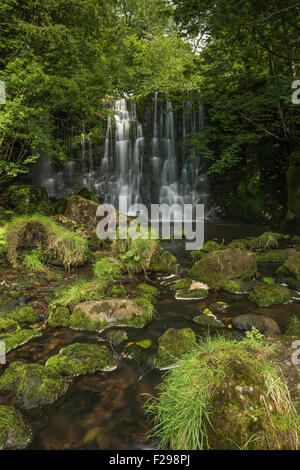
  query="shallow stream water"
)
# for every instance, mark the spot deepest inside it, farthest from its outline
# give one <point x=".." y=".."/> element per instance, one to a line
<point x="105" y="411"/>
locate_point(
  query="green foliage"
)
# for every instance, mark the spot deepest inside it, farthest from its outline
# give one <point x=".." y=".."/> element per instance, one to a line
<point x="188" y="414"/>
<point x="80" y="291"/>
<point x="271" y="239"/>
<point x="107" y="269"/>
<point x="24" y="315"/>
<point x="59" y="318"/>
<point x="293" y="328"/>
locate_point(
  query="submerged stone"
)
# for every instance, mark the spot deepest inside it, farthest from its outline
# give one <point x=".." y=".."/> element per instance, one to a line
<point x="223" y="265"/>
<point x="218" y="307"/>
<point x="264" y="324"/>
<point x="194" y="294"/>
<point x="81" y="359"/>
<point x="14" y="432"/>
<point x="34" y="385"/>
<point x="18" y="338"/>
<point x="237" y="287"/>
<point x="173" y="344"/>
<point x="265" y="295"/>
<point x="208" y="321"/>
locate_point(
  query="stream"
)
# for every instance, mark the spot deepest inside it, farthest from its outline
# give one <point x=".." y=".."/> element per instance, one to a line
<point x="105" y="411"/>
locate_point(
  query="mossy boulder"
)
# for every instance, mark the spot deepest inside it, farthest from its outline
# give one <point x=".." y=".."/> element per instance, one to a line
<point x="33" y="385"/>
<point x="86" y="194"/>
<point x="24" y="316"/>
<point x="219" y="307"/>
<point x="59" y="318"/>
<point x="25" y="199"/>
<point x="207" y="248"/>
<point x="99" y="314"/>
<point x="225" y="395"/>
<point x="83" y="212"/>
<point x="266" y="325"/>
<point x="191" y="294"/>
<point x="208" y="321"/>
<point x="181" y="284"/>
<point x="163" y="263"/>
<point x="266" y="294"/>
<point x="145" y="290"/>
<point x="15" y="434"/>
<point x="174" y="344"/>
<point x="291" y="268"/>
<point x="39" y="234"/>
<point x="222" y="265"/>
<point x="8" y="324"/>
<point x="14" y="339"/>
<point x="117" y="291"/>
<point x="81" y="359"/>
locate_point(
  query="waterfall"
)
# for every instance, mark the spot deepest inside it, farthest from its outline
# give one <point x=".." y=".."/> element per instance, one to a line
<point x="153" y="164"/>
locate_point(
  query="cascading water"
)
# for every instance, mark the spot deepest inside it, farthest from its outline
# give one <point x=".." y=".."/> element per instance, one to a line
<point x="146" y="165"/>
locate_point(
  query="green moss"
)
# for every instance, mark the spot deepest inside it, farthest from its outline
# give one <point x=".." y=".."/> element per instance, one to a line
<point x="14" y="432"/>
<point x="18" y="338"/>
<point x="173" y="344"/>
<point x="86" y="194"/>
<point x="34" y="385"/>
<point x="24" y="315"/>
<point x="269" y="294"/>
<point x="234" y="287"/>
<point x="207" y="248"/>
<point x="292" y="267"/>
<point x="207" y="321"/>
<point x="139" y="321"/>
<point x="225" y="395"/>
<point x="276" y="255"/>
<point x="80" y="359"/>
<point x="147" y="291"/>
<point x="59" y="206"/>
<point x="192" y="294"/>
<point x="163" y="263"/>
<point x="293" y="328"/>
<point x="181" y="285"/>
<point x="80" y="291"/>
<point x="59" y="318"/>
<point x="80" y="321"/>
<point x="8" y="324"/>
<point x="117" y="291"/>
<point x="222" y="265"/>
<point x="107" y="269"/>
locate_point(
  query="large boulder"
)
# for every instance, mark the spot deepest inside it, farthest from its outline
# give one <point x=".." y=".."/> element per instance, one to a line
<point x="14" y="432"/>
<point x="291" y="268"/>
<point x="265" y="295"/>
<point x="34" y="385"/>
<point x="264" y="324"/>
<point x="99" y="314"/>
<point x="223" y="265"/>
<point x="174" y="344"/>
<point x="83" y="211"/>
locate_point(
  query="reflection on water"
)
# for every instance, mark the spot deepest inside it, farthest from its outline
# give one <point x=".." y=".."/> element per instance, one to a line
<point x="105" y="411"/>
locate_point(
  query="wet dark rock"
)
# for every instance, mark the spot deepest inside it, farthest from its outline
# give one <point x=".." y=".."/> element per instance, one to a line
<point x="266" y="325"/>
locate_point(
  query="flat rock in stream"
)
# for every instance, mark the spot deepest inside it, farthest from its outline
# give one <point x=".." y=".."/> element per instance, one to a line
<point x="99" y="314"/>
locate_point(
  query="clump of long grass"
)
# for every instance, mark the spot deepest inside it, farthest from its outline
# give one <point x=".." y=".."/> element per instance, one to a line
<point x="59" y="245"/>
<point x="271" y="239"/>
<point x="193" y="407"/>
